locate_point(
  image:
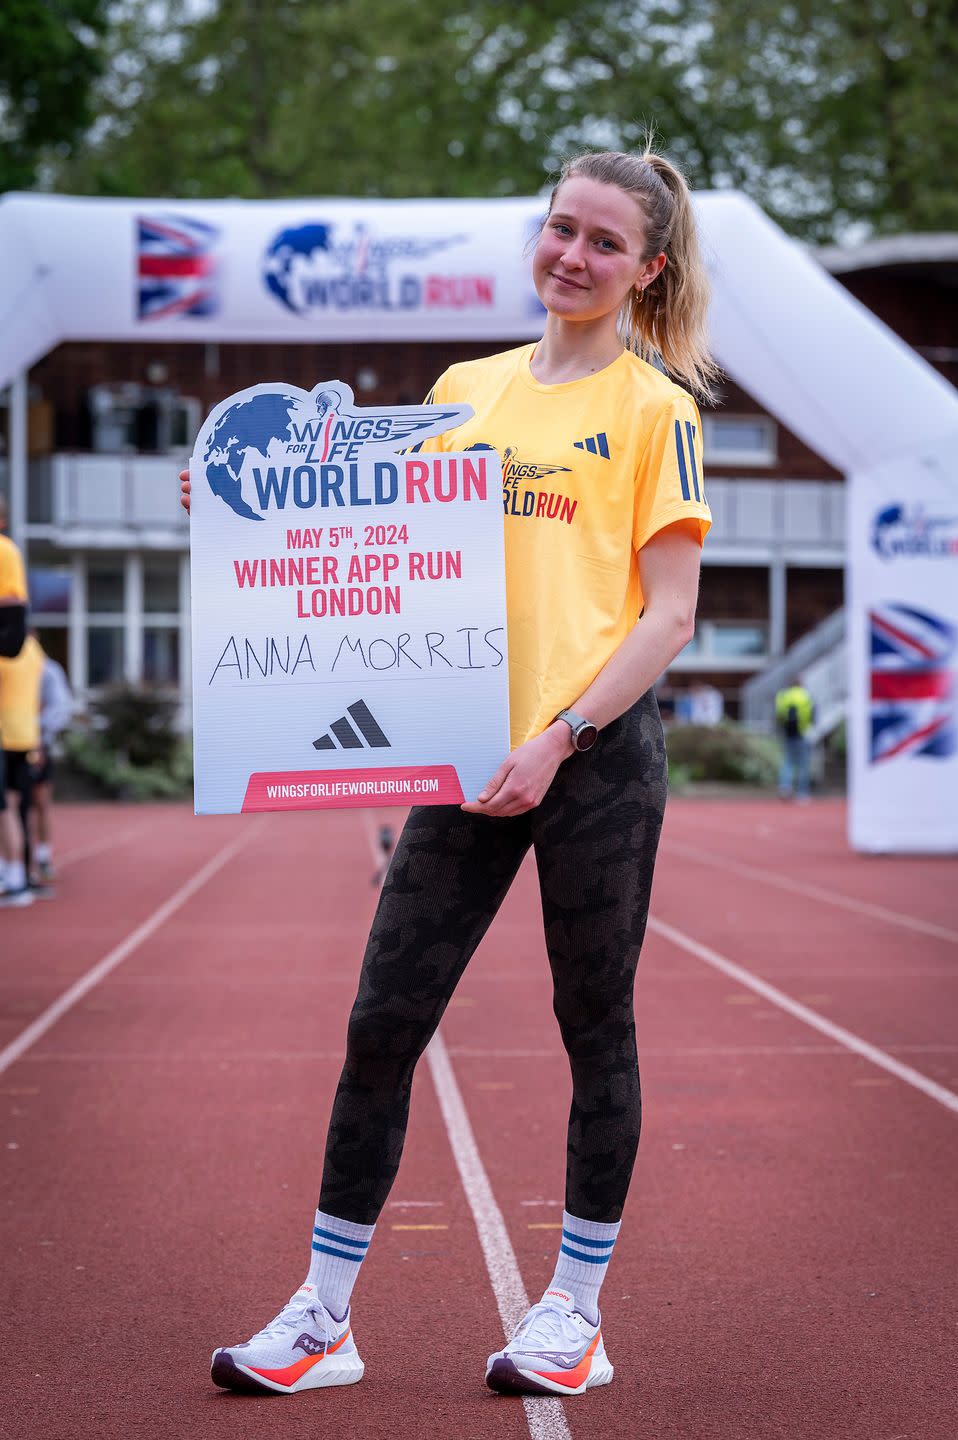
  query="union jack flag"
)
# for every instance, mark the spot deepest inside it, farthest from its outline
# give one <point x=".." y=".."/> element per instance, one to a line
<point x="913" y="690"/>
<point x="176" y="267"/>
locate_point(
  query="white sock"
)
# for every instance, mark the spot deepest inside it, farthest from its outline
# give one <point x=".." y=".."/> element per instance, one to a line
<point x="584" y="1256"/>
<point x="338" y="1249"/>
<point x="3" y="871"/>
<point x="16" y="875"/>
<point x="44" y="853"/>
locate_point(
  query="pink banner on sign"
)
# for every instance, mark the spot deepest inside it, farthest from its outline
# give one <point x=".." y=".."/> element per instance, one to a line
<point x="339" y="789"/>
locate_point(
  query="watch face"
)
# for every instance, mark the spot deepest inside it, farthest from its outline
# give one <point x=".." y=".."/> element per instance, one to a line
<point x="585" y="737"/>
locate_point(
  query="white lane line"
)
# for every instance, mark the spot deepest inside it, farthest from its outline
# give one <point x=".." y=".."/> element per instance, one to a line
<point x="813" y="892"/>
<point x="809" y="1017"/>
<point x="544" y="1415"/>
<point x="86" y="852"/>
<point x="460" y="1052"/>
<point x="119" y="953"/>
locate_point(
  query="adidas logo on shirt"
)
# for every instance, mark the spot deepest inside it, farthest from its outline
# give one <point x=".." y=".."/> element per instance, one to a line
<point x="369" y="736"/>
<point x="595" y="444"/>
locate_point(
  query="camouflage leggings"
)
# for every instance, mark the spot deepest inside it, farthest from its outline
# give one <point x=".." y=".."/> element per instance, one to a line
<point x="595" y="836"/>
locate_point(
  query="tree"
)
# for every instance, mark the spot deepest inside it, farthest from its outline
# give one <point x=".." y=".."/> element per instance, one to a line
<point x="836" y="118"/>
<point x="49" y="58"/>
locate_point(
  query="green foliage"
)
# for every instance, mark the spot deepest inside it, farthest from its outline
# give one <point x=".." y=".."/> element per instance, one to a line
<point x="89" y="752"/>
<point x="138" y="724"/>
<point x="133" y="749"/>
<point x="831" y="116"/>
<point x="50" y="55"/>
<point x="725" y="752"/>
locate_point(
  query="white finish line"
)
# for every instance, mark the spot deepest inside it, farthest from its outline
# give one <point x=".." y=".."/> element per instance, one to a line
<point x="119" y="953"/>
<point x="809" y="1017"/>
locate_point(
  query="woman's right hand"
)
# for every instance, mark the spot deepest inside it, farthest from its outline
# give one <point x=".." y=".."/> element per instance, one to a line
<point x="185" y="490"/>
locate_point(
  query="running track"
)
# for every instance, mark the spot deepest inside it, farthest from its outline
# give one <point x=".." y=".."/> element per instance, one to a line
<point x="787" y="1263"/>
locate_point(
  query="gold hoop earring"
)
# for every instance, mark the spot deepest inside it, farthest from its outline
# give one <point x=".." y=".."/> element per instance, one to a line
<point x="639" y="294"/>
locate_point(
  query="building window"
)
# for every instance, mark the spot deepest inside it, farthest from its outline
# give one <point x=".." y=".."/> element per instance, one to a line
<point x="727" y="643"/>
<point x="739" y="641"/>
<point x="740" y="439"/>
<point x="49" y="589"/>
<point x="161" y="655"/>
<point x="105" y="585"/>
<point x="161" y="585"/>
<point x="144" y="419"/>
<point x="104" y="654"/>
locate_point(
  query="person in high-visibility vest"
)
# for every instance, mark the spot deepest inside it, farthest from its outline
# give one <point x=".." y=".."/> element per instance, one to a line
<point x="794" y="713"/>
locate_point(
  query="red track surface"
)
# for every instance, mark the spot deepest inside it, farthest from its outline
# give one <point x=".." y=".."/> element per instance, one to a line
<point x="786" y="1266"/>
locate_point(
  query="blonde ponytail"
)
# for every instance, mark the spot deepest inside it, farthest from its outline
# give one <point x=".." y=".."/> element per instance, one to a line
<point x="669" y="318"/>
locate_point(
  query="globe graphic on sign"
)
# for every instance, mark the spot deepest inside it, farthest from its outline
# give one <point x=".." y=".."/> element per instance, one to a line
<point x="250" y="425"/>
<point x="293" y="254"/>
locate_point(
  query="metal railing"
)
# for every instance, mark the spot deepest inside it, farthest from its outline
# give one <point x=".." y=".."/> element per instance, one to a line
<point x="124" y="492"/>
<point x="820" y="659"/>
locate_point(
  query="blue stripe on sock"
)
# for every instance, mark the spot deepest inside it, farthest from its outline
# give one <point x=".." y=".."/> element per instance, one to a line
<point x="581" y="1240"/>
<point x="340" y="1254"/>
<point x="341" y="1239"/>
<point x="588" y="1259"/>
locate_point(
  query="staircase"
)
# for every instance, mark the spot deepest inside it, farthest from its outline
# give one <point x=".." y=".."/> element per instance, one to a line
<point x="820" y="660"/>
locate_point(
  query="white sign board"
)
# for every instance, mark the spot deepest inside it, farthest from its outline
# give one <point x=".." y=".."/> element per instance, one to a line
<point x="349" y="627"/>
<point x="903" y="655"/>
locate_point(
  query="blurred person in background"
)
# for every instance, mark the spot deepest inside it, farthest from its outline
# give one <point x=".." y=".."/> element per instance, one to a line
<point x="14" y="889"/>
<point x="20" y="681"/>
<point x="619" y="271"/>
<point x="56" y="712"/>
<point x="706" y="706"/>
<point x="794" y="713"/>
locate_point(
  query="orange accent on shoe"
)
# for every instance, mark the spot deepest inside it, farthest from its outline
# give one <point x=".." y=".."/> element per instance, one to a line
<point x="292" y="1373"/>
<point x="572" y="1378"/>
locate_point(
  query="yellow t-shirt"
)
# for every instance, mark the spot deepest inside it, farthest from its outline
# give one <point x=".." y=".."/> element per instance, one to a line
<point x="592" y="469"/>
<point x="20" y="697"/>
<point x="13" y="581"/>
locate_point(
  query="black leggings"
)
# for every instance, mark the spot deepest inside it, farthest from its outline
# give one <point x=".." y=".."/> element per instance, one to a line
<point x="20" y="778"/>
<point x="595" y="836"/>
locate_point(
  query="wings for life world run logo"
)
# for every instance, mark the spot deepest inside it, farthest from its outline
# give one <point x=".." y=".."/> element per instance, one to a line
<point x="176" y="267"/>
<point x="908" y="530"/>
<point x="913" y="700"/>
<point x="319" y="267"/>
<point x="282" y="448"/>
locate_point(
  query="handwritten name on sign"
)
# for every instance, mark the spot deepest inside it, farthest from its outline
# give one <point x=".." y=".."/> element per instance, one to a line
<point x="330" y="571"/>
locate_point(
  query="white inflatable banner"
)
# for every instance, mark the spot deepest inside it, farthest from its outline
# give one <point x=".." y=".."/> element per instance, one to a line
<point x="314" y="271"/>
<point x="349" y="628"/>
<point x="903" y="654"/>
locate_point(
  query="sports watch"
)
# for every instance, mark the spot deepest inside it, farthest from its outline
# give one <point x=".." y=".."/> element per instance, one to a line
<point x="584" y="733"/>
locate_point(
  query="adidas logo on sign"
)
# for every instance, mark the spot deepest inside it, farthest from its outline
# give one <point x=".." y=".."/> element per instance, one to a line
<point x="595" y="444"/>
<point x="370" y="735"/>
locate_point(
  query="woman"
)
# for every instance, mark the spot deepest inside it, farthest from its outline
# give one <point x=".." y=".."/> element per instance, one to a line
<point x="613" y="533"/>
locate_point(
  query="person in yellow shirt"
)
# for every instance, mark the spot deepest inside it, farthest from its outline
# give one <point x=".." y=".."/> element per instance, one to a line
<point x="13" y="592"/>
<point x="20" y="681"/>
<point x="604" y="515"/>
<point x="14" y="889"/>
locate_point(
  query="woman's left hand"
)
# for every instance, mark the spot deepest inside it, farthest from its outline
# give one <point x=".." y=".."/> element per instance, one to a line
<point x="524" y="777"/>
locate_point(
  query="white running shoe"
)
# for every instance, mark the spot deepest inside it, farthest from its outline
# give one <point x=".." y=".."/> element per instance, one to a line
<point x="554" y="1351"/>
<point x="304" y="1348"/>
<point x="16" y="899"/>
